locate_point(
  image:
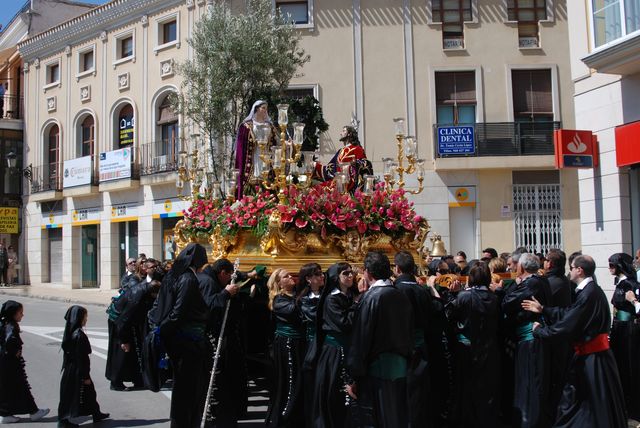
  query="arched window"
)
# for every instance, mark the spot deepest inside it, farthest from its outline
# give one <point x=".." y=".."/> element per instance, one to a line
<point x="87" y="136"/>
<point x="167" y="122"/>
<point x="126" y="125"/>
<point x="53" y="155"/>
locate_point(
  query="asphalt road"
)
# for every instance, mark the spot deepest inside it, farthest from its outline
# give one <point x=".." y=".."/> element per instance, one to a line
<point x="42" y="328"/>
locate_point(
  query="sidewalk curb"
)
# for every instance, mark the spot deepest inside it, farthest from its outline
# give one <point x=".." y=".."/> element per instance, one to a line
<point x="26" y="292"/>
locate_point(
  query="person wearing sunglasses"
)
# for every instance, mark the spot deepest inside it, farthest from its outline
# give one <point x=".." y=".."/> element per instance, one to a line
<point x="625" y="333"/>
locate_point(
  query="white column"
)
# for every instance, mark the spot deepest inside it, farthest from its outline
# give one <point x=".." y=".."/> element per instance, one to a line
<point x="109" y="263"/>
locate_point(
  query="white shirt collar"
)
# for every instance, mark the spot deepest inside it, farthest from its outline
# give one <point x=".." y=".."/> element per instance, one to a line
<point x="335" y="291"/>
<point x="622" y="277"/>
<point x="313" y="295"/>
<point x="380" y="283"/>
<point x="584" y="283"/>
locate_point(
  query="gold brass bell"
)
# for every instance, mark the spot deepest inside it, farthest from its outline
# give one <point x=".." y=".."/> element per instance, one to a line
<point x="438" y="249"/>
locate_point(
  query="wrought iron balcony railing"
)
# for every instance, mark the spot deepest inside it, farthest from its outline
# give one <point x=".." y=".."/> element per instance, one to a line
<point x="159" y="156"/>
<point x="505" y="139"/>
<point x="47" y="177"/>
<point x="11" y="107"/>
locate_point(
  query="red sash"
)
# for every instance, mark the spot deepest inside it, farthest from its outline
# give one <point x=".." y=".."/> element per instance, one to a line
<point x="597" y="344"/>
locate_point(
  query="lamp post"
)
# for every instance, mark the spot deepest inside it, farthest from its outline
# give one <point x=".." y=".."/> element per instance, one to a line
<point x="12" y="159"/>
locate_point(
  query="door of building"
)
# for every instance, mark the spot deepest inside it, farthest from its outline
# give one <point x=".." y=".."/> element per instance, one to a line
<point x="462" y="225"/>
<point x="89" y="256"/>
<point x="55" y="255"/>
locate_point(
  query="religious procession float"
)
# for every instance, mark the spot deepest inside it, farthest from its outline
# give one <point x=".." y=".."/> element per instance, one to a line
<point x="281" y="208"/>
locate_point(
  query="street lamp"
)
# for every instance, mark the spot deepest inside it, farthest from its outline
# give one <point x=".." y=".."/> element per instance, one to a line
<point x="11" y="163"/>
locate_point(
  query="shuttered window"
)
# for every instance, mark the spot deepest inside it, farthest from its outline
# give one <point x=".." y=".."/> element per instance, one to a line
<point x="532" y="95"/>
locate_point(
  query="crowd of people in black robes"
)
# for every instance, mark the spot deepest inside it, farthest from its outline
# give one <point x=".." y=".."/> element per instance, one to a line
<point x="381" y="346"/>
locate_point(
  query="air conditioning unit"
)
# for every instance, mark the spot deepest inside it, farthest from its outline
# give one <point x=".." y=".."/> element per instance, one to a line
<point x="159" y="163"/>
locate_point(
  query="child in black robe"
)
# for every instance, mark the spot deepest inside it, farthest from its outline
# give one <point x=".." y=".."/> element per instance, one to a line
<point x="77" y="392"/>
<point x="15" y="392"/>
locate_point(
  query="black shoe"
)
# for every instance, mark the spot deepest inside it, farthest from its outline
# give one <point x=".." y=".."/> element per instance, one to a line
<point x="65" y="423"/>
<point x="116" y="387"/>
<point x="100" y="416"/>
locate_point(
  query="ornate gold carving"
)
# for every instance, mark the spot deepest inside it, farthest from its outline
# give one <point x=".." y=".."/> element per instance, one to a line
<point x="220" y="245"/>
<point x="354" y="246"/>
<point x="277" y="242"/>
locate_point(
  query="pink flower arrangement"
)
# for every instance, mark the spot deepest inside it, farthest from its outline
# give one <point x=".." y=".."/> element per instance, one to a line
<point x="319" y="209"/>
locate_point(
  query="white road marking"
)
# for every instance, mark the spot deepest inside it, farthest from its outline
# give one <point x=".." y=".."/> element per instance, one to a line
<point x="103" y="344"/>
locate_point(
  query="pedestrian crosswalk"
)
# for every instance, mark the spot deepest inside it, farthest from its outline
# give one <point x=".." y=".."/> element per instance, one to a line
<point x="99" y="339"/>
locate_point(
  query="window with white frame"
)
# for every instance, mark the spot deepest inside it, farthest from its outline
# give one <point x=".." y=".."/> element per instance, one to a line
<point x="452" y="14"/>
<point x="124" y="47"/>
<point x="86" y="60"/>
<point x="52" y="71"/>
<point x="167" y="32"/>
<point x="297" y="11"/>
<point x="613" y="19"/>
<point x="532" y="95"/>
<point x="455" y="97"/>
<point x="527" y="13"/>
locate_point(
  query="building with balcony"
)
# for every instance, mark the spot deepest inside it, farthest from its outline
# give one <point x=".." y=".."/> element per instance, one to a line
<point x="605" y="47"/>
<point x="103" y="140"/>
<point x="33" y="17"/>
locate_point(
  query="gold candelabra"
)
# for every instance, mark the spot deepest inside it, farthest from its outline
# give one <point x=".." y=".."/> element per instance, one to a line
<point x="191" y="169"/>
<point x="407" y="150"/>
<point x="277" y="167"/>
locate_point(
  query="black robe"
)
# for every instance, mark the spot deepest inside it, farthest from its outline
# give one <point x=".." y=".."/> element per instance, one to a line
<point x="121" y="366"/>
<point x="418" y="382"/>
<point x="231" y="392"/>
<point x="76" y="398"/>
<point x="182" y="316"/>
<point x="532" y="374"/>
<point x="440" y="340"/>
<point x="476" y="403"/>
<point x="381" y="344"/>
<point x="561" y="351"/>
<point x="329" y="399"/>
<point x="15" y="392"/>
<point x="286" y="403"/>
<point x="592" y="396"/>
<point x="132" y="325"/>
<point x="624" y="337"/>
<point x="309" y="308"/>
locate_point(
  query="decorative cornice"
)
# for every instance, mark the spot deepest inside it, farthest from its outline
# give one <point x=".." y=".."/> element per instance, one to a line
<point x="109" y="16"/>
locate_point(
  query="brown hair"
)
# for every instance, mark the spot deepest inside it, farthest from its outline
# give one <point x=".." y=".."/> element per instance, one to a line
<point x="497" y="265"/>
<point x="480" y="275"/>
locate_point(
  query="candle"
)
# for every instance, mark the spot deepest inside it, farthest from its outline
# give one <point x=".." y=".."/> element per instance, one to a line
<point x="399" y="126"/>
<point x="283" y="118"/>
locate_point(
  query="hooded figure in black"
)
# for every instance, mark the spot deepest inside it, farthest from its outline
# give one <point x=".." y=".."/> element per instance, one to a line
<point x="334" y="321"/>
<point x="231" y="393"/>
<point x="180" y="313"/>
<point x="475" y="313"/>
<point x="418" y="383"/>
<point x="77" y="391"/>
<point x="15" y="392"/>
<point x="625" y="333"/>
